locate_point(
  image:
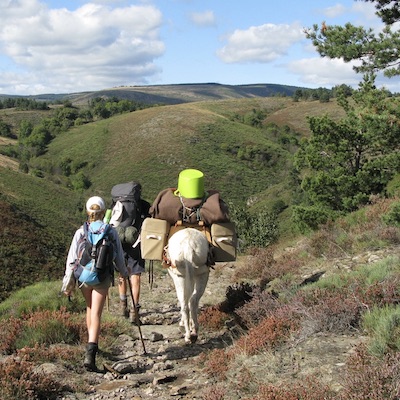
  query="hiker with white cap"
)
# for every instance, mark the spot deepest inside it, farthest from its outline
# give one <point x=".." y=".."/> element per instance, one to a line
<point x="95" y="294"/>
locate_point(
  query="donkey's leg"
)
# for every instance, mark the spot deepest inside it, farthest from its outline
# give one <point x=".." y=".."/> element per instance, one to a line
<point x="179" y="282"/>
<point x="200" y="284"/>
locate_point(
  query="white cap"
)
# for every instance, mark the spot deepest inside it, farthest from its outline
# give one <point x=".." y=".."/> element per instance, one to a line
<point x="95" y="200"/>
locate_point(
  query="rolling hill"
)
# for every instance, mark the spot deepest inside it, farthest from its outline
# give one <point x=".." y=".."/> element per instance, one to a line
<point x="248" y="165"/>
<point x="173" y="94"/>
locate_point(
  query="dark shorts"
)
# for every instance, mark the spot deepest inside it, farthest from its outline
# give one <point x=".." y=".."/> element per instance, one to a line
<point x="135" y="267"/>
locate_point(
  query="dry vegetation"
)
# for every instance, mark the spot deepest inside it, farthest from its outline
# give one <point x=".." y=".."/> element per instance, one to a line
<point x="300" y="308"/>
<point x="296" y="313"/>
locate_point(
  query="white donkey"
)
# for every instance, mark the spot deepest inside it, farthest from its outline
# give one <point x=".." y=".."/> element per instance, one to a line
<point x="188" y="251"/>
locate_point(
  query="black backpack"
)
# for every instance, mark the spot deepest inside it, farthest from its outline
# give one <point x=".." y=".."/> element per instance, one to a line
<point x="126" y="211"/>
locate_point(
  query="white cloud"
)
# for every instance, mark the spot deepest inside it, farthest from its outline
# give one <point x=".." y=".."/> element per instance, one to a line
<point x="366" y="10"/>
<point x="206" y="18"/>
<point x="324" y="72"/>
<point x="334" y="11"/>
<point x="19" y="9"/>
<point x="260" y="44"/>
<point x="90" y="47"/>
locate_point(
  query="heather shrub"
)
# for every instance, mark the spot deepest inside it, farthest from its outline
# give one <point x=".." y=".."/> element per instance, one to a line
<point x="243" y="379"/>
<point x="330" y="241"/>
<point x="262" y="305"/>
<point x="258" y="260"/>
<point x="214" y="392"/>
<point x="369" y="377"/>
<point x="308" y="389"/>
<point x="371" y="284"/>
<point x="10" y="330"/>
<point x="376" y="231"/>
<point x="383" y="327"/>
<point x="213" y="318"/>
<point x="379" y="293"/>
<point x="217" y="363"/>
<point x="269" y="334"/>
<point x="48" y="327"/>
<point x="328" y="310"/>
<point x="263" y="268"/>
<point x="18" y="380"/>
<point x="368" y="217"/>
<point x="357" y="231"/>
<point x="389" y="235"/>
<point x="60" y="353"/>
<point x="284" y="265"/>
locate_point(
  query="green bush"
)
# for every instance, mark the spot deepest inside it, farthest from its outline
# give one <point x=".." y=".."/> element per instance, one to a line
<point x="383" y="326"/>
<point x="392" y="217"/>
<point x="80" y="181"/>
<point x="254" y="230"/>
<point x="393" y="186"/>
<point x="309" y="218"/>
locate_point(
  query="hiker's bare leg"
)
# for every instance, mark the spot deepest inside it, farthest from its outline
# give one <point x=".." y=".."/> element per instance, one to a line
<point x="135" y="282"/>
<point x="122" y="286"/>
<point x="95" y="300"/>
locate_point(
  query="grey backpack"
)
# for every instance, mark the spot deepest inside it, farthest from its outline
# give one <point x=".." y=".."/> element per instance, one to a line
<point x="126" y="213"/>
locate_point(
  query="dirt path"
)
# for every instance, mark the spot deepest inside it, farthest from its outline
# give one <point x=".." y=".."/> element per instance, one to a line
<point x="169" y="369"/>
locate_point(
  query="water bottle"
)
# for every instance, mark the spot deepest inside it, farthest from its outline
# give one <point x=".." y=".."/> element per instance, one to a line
<point x="107" y="217"/>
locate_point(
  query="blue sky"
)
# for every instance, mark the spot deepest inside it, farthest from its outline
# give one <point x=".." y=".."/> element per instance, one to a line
<point x="64" y="46"/>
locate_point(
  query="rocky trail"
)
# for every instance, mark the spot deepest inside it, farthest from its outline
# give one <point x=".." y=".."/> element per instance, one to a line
<point x="167" y="369"/>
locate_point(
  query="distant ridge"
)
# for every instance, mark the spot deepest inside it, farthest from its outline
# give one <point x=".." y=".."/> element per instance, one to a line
<point x="172" y="94"/>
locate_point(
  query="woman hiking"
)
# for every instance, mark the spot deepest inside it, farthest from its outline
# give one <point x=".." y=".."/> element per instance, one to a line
<point x="96" y="291"/>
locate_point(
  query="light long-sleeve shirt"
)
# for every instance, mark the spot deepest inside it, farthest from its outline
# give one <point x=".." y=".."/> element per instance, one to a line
<point x="79" y="235"/>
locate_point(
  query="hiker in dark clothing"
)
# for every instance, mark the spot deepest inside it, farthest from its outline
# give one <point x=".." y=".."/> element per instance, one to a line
<point x="136" y="266"/>
<point x="95" y="295"/>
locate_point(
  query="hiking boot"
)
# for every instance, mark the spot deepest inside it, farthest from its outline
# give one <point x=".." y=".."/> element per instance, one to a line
<point x="123" y="304"/>
<point x="132" y="316"/>
<point x="90" y="357"/>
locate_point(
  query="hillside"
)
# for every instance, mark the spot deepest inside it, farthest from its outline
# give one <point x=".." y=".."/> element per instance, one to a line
<point x="311" y="317"/>
<point x="247" y="164"/>
<point x="173" y="94"/>
<point x="154" y="144"/>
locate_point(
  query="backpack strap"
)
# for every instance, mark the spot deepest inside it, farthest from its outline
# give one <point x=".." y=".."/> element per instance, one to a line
<point x="86" y="232"/>
<point x="88" y="236"/>
<point x="188" y="212"/>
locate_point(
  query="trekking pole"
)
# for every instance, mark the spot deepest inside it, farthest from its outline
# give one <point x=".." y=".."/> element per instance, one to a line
<point x="136" y="314"/>
<point x="151" y="274"/>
